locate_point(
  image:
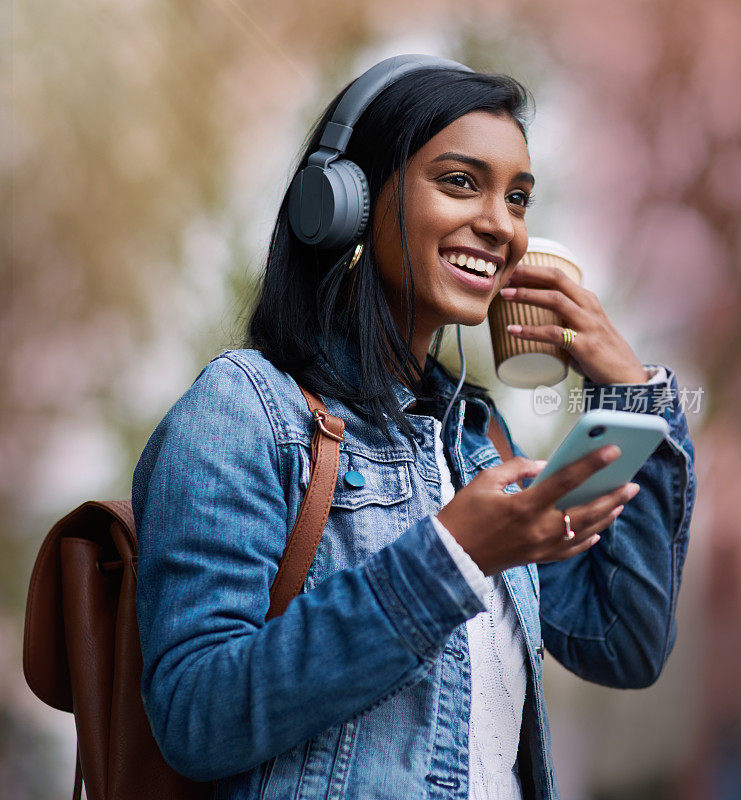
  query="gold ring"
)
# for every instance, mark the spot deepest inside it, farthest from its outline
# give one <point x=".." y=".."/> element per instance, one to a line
<point x="569" y="534"/>
<point x="569" y="337"/>
<point x="356" y="256"/>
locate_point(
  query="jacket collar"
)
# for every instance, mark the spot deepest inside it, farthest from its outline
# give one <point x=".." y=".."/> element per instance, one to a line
<point x="473" y="410"/>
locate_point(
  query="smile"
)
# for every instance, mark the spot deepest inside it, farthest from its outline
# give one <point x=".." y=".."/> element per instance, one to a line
<point x="470" y="263"/>
<point x="472" y="278"/>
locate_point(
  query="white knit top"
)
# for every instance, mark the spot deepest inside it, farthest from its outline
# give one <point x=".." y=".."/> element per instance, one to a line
<point x="498" y="656"/>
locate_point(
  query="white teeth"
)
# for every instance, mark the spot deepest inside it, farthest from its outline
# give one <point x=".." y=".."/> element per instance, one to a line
<point x="476" y="264"/>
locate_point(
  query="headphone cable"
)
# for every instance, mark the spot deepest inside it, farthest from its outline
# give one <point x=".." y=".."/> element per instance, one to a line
<point x="460" y="382"/>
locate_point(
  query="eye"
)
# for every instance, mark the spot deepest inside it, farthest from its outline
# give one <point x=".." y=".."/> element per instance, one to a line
<point x="458" y="176"/>
<point x="524" y="199"/>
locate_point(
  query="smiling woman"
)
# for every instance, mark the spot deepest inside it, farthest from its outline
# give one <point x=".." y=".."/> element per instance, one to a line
<point x="457" y="223"/>
<point x="409" y="663"/>
<point x="399" y="142"/>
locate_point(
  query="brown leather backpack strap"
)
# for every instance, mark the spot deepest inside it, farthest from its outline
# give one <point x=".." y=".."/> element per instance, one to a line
<point x="312" y="516"/>
<point x="499" y="440"/>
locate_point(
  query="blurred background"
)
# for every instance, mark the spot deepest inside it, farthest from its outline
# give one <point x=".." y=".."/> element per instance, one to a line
<point x="147" y="145"/>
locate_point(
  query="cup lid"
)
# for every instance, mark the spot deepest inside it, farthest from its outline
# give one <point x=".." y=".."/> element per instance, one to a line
<point x="537" y="244"/>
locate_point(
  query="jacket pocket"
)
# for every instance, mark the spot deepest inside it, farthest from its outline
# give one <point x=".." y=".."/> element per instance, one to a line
<point x="363" y="481"/>
<point x="370" y="509"/>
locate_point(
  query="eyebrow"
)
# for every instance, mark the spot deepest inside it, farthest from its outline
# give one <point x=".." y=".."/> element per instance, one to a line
<point x="482" y="165"/>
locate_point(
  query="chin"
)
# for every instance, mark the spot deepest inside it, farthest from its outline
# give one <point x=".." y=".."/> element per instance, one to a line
<point x="468" y="317"/>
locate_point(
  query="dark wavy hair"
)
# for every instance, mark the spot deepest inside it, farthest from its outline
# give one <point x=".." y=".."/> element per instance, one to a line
<point x="310" y="304"/>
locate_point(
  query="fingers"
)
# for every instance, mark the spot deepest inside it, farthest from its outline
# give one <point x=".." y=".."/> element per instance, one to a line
<point x="582" y="546"/>
<point x="589" y="513"/>
<point x="548" y="334"/>
<point x="514" y="469"/>
<point x="588" y="521"/>
<point x="544" y="277"/>
<point x="586" y="537"/>
<point x="596" y="524"/>
<point x="557" y="485"/>
<point x="551" y="299"/>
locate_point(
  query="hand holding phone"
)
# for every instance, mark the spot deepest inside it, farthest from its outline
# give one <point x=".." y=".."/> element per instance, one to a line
<point x="637" y="436"/>
<point x="500" y="530"/>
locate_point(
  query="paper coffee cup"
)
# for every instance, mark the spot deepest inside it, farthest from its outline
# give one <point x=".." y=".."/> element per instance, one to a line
<point x="525" y="363"/>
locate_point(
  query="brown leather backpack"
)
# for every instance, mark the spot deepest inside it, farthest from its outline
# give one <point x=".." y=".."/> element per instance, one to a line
<point x="81" y="649"/>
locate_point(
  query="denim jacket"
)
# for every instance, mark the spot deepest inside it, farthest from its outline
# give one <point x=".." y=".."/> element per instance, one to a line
<point x="361" y="689"/>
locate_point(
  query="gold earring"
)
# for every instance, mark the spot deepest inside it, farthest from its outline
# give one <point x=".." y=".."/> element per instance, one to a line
<point x="356" y="256"/>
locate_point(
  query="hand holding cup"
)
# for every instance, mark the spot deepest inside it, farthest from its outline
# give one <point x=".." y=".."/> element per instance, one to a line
<point x="544" y="321"/>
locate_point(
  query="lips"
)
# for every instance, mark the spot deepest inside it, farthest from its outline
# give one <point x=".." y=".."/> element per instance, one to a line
<point x="478" y="260"/>
<point x="478" y="281"/>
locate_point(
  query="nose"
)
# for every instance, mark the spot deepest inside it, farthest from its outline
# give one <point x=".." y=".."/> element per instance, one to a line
<point x="495" y="221"/>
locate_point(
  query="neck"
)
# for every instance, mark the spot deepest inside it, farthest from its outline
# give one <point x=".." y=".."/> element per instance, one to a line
<point x="420" y="347"/>
<point x="420" y="341"/>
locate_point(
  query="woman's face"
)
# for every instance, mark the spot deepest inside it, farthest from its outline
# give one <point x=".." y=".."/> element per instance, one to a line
<point x="455" y="207"/>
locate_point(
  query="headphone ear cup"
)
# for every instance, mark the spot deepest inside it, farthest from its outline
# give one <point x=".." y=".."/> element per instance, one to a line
<point x="329" y="206"/>
<point x="358" y="205"/>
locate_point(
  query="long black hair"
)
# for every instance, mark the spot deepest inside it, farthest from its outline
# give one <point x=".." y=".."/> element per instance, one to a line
<point x="310" y="304"/>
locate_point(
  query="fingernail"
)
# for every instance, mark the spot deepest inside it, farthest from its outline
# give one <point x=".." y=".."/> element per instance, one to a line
<point x="633" y="489"/>
<point x="508" y="292"/>
<point x="616" y="511"/>
<point x="595" y="538"/>
<point x="540" y="463"/>
<point x="514" y="328"/>
<point x="611" y="453"/>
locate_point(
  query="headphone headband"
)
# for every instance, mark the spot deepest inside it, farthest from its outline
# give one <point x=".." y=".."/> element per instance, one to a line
<point x="329" y="200"/>
<point x="364" y="89"/>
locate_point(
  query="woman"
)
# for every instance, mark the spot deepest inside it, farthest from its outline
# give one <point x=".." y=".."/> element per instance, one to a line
<point x="411" y="663"/>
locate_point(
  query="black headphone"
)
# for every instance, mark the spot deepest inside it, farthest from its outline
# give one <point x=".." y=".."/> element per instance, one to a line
<point x="329" y="200"/>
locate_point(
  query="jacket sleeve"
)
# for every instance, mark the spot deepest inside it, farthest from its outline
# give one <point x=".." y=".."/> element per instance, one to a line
<point x="609" y="614"/>
<point x="223" y="690"/>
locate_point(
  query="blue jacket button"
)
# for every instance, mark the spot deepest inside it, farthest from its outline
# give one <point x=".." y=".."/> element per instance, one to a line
<point x="354" y="479"/>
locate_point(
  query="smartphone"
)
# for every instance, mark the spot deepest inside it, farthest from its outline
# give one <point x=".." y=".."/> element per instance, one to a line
<point x="637" y="436"/>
